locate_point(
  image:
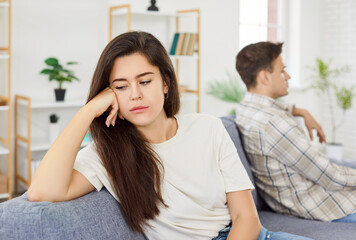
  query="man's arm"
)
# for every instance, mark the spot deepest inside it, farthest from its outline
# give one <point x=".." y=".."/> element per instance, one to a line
<point x="310" y="123"/>
<point x="287" y="142"/>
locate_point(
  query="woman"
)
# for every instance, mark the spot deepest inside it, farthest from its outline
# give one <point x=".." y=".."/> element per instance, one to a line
<point x="172" y="175"/>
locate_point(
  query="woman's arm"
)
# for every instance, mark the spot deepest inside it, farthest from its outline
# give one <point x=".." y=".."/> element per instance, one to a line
<point x="245" y="221"/>
<point x="55" y="180"/>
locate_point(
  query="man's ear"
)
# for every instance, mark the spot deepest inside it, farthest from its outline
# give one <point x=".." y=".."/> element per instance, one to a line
<point x="263" y="78"/>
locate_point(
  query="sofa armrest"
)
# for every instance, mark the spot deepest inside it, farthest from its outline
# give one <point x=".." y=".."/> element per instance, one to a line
<point x="96" y="215"/>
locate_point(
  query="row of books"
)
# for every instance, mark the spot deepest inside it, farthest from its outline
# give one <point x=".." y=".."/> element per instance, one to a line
<point x="183" y="44"/>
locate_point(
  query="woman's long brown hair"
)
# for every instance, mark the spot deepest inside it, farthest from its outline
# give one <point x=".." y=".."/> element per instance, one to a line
<point x="134" y="168"/>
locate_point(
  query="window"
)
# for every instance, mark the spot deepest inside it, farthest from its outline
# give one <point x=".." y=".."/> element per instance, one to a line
<point x="260" y="20"/>
<point x="266" y="20"/>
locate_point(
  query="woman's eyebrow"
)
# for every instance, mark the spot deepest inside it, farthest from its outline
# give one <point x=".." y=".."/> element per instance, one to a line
<point x="143" y="74"/>
<point x="138" y="76"/>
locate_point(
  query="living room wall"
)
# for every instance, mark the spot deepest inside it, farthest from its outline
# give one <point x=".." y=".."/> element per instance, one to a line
<point x="339" y="41"/>
<point x="78" y="31"/>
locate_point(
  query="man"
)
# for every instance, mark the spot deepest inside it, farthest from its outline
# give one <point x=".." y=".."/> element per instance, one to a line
<point x="292" y="176"/>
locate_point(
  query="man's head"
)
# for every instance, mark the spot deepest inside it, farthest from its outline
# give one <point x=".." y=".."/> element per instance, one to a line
<point x="261" y="67"/>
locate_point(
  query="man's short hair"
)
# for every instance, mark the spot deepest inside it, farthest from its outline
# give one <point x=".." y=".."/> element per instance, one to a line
<point x="254" y="58"/>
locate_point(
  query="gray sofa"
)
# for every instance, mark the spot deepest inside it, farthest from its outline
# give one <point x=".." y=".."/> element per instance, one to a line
<point x="98" y="216"/>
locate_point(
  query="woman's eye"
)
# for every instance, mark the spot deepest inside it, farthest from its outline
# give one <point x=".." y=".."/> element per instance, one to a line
<point x="120" y="87"/>
<point x="145" y="82"/>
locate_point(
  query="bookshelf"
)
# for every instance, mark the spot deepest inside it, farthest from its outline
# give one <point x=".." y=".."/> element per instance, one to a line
<point x="5" y="95"/>
<point x="163" y="25"/>
<point x="31" y="144"/>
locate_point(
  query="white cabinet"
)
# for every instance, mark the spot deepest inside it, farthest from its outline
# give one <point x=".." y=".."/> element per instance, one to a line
<point x="163" y="26"/>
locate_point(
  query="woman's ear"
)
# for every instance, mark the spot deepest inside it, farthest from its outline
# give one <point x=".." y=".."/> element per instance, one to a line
<point x="165" y="87"/>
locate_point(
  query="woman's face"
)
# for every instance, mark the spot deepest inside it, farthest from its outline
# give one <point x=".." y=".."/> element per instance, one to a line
<point x="139" y="88"/>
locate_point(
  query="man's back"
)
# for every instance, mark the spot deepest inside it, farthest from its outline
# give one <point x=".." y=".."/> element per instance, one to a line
<point x="292" y="176"/>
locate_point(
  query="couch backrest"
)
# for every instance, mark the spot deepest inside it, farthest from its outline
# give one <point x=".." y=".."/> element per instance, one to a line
<point x="233" y="130"/>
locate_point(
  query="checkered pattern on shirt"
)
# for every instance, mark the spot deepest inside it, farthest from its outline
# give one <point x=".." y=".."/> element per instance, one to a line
<point x="292" y="176"/>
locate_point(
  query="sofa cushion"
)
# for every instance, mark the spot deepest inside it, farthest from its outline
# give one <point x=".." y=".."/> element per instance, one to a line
<point x="93" y="216"/>
<point x="232" y="129"/>
<point x="309" y="228"/>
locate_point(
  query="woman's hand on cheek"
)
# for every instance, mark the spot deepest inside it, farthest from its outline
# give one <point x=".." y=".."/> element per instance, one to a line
<point x="118" y="112"/>
<point x="105" y="101"/>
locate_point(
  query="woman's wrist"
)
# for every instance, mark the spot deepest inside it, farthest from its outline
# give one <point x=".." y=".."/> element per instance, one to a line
<point x="87" y="111"/>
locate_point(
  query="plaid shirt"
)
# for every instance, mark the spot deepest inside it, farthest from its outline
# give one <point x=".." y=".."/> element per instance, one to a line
<point x="291" y="175"/>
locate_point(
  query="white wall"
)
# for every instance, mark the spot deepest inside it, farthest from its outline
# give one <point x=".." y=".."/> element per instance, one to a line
<point x="304" y="43"/>
<point x="68" y="30"/>
<point x="339" y="39"/>
<point x="323" y="29"/>
<point x="77" y="31"/>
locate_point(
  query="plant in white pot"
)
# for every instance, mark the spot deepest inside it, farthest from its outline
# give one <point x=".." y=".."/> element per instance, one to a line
<point x="324" y="83"/>
<point x="60" y="74"/>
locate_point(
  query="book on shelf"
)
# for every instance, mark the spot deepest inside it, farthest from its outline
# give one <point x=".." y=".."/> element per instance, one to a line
<point x="180" y="44"/>
<point x="183" y="44"/>
<point x="174" y="44"/>
<point x="192" y="42"/>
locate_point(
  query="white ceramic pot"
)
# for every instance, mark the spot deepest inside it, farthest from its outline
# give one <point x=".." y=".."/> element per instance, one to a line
<point x="334" y="152"/>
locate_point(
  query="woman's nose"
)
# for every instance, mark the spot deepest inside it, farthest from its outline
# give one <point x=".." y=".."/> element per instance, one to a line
<point x="136" y="93"/>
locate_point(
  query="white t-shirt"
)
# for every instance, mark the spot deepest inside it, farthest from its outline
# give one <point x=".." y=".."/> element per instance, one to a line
<point x="201" y="165"/>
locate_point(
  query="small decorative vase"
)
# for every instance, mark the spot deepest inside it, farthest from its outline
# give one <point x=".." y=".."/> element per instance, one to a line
<point x="153" y="6"/>
<point x="60" y="93"/>
<point x="53" y="132"/>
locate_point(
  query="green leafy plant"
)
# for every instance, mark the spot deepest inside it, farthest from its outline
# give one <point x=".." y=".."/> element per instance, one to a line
<point x="229" y="90"/>
<point x="57" y="72"/>
<point x="323" y="83"/>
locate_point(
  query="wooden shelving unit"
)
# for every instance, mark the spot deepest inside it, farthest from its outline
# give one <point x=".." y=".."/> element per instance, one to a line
<point x="29" y="143"/>
<point x="125" y="10"/>
<point x="5" y="143"/>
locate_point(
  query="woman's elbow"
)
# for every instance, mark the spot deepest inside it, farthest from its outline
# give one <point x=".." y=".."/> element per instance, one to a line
<point x="36" y="196"/>
<point x="33" y="196"/>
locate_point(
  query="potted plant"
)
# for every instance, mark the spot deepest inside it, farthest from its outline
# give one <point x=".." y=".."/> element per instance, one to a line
<point x="229" y="90"/>
<point x="60" y="74"/>
<point x="323" y="84"/>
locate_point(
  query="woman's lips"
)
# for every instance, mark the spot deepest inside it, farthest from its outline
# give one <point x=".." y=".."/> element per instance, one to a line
<point x="138" y="109"/>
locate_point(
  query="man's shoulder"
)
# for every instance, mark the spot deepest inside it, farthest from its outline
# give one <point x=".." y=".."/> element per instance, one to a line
<point x="257" y="121"/>
<point x="257" y="114"/>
